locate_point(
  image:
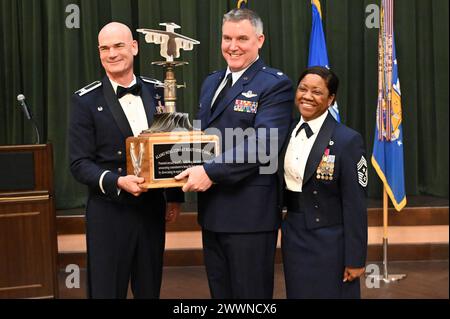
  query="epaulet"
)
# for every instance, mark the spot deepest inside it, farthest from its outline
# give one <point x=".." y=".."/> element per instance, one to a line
<point x="213" y="72"/>
<point x="152" y="81"/>
<point x="89" y="88"/>
<point x="275" y="72"/>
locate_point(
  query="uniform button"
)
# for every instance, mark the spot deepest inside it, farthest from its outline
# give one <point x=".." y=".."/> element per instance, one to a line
<point x="120" y="170"/>
<point x="119" y="153"/>
<point x="316" y="207"/>
<point x="317" y="220"/>
<point x="315" y="193"/>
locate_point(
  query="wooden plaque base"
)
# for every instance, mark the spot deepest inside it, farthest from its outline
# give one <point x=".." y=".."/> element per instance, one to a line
<point x="159" y="157"/>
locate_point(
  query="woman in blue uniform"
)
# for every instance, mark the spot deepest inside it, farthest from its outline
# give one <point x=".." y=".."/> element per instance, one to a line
<point x="324" y="169"/>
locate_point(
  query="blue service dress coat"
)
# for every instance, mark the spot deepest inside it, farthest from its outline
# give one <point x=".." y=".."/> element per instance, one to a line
<point x="239" y="214"/>
<point x="244" y="198"/>
<point x="125" y="234"/>
<point x="325" y="229"/>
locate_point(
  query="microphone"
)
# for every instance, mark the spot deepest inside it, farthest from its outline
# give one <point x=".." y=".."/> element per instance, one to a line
<point x="26" y="111"/>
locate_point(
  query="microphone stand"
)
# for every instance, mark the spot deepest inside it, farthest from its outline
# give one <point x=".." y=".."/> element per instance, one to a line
<point x="38" y="137"/>
<point x="29" y="116"/>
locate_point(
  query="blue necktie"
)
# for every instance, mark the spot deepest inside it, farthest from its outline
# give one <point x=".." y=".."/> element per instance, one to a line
<point x="222" y="93"/>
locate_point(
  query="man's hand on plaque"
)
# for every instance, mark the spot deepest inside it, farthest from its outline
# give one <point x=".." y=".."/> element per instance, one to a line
<point x="198" y="180"/>
<point x="131" y="184"/>
<point x="172" y="212"/>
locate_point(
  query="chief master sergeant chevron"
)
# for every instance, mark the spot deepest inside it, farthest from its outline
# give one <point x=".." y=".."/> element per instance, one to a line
<point x="125" y="224"/>
<point x="238" y="213"/>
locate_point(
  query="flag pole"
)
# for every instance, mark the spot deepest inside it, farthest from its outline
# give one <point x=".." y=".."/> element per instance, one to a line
<point x="385" y="233"/>
<point x="386" y="277"/>
<point x="383" y="144"/>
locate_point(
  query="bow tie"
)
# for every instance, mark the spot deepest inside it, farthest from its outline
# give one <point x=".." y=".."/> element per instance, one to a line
<point x="135" y="90"/>
<point x="307" y="129"/>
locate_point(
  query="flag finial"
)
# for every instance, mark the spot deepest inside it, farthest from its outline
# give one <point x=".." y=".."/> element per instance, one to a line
<point x="241" y="4"/>
<point x="317" y="4"/>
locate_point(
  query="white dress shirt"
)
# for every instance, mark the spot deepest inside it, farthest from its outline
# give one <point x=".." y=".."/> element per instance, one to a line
<point x="298" y="151"/>
<point x="235" y="77"/>
<point x="133" y="108"/>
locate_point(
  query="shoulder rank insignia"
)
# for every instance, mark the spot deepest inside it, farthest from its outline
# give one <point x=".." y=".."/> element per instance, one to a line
<point x="275" y="72"/>
<point x="152" y="81"/>
<point x="88" y="88"/>
<point x="249" y="94"/>
<point x="363" y="177"/>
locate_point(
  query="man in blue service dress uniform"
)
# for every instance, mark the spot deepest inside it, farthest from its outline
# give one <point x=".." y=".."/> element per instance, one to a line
<point x="237" y="199"/>
<point x="125" y="224"/>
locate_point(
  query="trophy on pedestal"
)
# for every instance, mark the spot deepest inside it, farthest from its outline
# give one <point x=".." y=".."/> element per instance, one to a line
<point x="170" y="145"/>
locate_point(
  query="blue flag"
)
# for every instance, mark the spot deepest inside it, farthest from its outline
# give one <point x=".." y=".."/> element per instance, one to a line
<point x="318" y="55"/>
<point x="387" y="157"/>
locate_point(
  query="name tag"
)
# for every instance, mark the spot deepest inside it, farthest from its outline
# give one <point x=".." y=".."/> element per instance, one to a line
<point x="246" y="106"/>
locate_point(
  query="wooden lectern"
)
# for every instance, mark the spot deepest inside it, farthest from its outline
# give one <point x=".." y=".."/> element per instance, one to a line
<point x="28" y="243"/>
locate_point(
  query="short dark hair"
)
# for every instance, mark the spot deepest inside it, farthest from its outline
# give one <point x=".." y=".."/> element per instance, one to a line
<point x="239" y="14"/>
<point x="330" y="78"/>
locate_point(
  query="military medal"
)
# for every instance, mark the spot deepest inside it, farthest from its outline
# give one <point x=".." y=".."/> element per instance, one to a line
<point x="325" y="170"/>
<point x="246" y="106"/>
